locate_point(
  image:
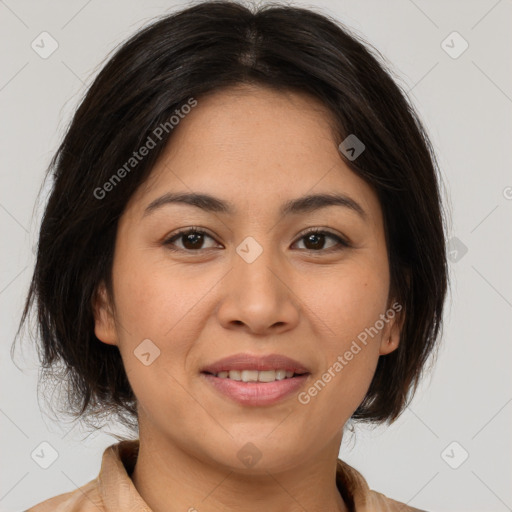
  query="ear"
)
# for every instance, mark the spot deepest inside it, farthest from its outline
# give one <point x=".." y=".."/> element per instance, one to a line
<point x="104" y="324"/>
<point x="395" y="315"/>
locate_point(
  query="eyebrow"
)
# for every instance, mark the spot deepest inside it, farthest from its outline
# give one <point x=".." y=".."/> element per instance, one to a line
<point x="304" y="204"/>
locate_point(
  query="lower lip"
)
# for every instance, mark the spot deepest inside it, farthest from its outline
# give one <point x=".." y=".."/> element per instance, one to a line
<point x="256" y="393"/>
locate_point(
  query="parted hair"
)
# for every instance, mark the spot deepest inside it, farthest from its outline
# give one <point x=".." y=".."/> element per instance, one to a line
<point x="204" y="48"/>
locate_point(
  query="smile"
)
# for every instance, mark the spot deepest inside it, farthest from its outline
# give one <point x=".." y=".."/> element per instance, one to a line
<point x="256" y="376"/>
<point x="256" y="388"/>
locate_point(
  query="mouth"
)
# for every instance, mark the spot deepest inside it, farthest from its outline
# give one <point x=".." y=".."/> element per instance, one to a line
<point x="256" y="376"/>
<point x="256" y="380"/>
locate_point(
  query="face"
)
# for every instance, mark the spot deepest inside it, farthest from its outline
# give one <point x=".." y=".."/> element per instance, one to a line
<point x="239" y="275"/>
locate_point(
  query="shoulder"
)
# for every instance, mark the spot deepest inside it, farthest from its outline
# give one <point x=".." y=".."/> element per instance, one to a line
<point x="380" y="502"/>
<point x="360" y="497"/>
<point x="112" y="487"/>
<point x="83" y="499"/>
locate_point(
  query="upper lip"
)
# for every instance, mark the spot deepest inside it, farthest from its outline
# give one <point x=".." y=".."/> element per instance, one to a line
<point x="255" y="362"/>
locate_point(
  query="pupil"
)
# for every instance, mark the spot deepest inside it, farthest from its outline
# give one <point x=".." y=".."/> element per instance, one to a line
<point x="193" y="239"/>
<point x="314" y="237"/>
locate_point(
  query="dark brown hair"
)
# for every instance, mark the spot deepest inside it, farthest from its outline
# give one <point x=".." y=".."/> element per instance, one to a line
<point x="202" y="49"/>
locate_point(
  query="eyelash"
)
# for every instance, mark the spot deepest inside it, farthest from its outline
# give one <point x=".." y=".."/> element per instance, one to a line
<point x="341" y="243"/>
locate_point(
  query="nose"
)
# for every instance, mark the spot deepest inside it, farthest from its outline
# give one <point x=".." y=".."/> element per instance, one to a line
<point x="258" y="297"/>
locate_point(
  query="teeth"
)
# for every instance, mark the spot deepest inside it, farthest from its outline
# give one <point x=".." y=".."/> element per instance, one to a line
<point x="255" y="376"/>
<point x="249" y="375"/>
<point x="281" y="374"/>
<point x="267" y="376"/>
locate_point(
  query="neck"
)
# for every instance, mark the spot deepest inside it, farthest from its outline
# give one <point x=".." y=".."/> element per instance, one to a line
<point x="170" y="479"/>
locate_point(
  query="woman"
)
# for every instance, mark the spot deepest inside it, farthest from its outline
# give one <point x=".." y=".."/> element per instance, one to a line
<point x="243" y="249"/>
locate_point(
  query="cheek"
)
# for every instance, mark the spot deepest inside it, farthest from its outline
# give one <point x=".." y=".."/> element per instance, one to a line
<point x="153" y="297"/>
<point x="347" y="307"/>
<point x="140" y="300"/>
<point x="164" y="303"/>
<point x="349" y="300"/>
<point x="157" y="304"/>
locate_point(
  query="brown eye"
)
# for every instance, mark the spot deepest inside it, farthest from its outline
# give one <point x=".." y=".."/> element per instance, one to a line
<point x="191" y="240"/>
<point x="315" y="240"/>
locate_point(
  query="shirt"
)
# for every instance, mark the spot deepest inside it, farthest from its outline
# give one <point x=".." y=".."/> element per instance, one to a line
<point x="113" y="490"/>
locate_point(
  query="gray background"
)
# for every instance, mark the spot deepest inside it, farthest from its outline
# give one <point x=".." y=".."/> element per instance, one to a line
<point x="466" y="105"/>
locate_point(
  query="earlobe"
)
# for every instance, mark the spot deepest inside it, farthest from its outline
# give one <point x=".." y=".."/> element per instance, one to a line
<point x="389" y="345"/>
<point x="391" y="335"/>
<point x="104" y="325"/>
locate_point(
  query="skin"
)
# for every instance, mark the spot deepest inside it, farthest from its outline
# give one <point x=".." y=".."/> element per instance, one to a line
<point x="256" y="148"/>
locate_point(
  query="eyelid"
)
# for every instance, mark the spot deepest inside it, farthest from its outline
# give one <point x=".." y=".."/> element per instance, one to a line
<point x="341" y="240"/>
<point x="183" y="231"/>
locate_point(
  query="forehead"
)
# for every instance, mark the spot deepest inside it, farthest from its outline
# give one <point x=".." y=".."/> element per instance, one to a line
<point x="254" y="145"/>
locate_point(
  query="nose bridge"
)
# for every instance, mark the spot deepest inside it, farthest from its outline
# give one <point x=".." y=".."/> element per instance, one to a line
<point x="257" y="295"/>
<point x="255" y="269"/>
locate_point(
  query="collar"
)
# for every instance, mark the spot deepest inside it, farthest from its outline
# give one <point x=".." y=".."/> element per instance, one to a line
<point x="118" y="492"/>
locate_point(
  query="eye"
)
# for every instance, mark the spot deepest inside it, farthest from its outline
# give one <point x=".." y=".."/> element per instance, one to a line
<point x="315" y="239"/>
<point x="192" y="240"/>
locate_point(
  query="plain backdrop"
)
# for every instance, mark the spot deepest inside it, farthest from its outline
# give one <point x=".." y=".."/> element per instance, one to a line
<point x="452" y="449"/>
